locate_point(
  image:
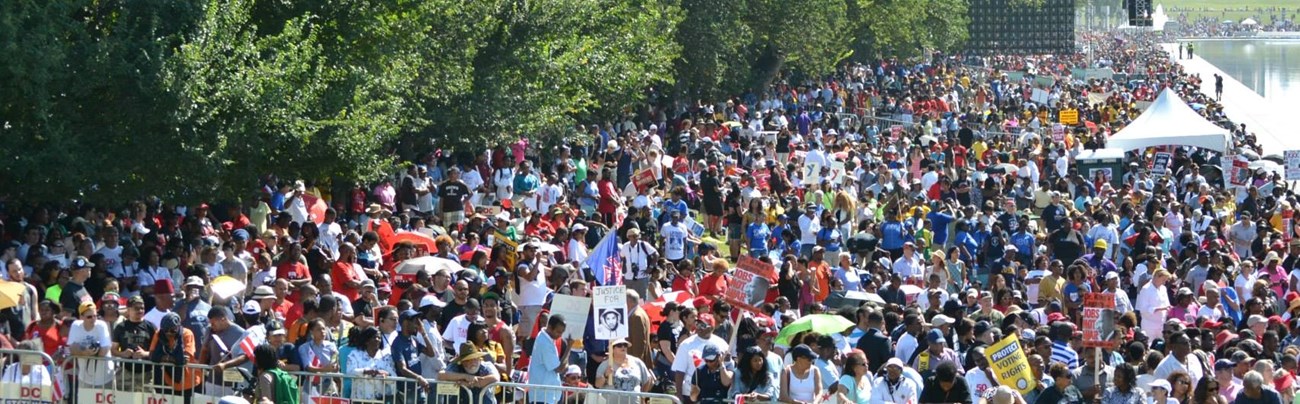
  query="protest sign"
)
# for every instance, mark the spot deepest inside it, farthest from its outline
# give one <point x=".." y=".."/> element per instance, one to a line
<point x="1010" y="366"/>
<point x="1058" y="133"/>
<point x="575" y="310"/>
<point x="510" y="255"/>
<point x="1291" y="158"/>
<point x="1240" y="173"/>
<point x="748" y="287"/>
<point x="1160" y="164"/>
<point x="644" y="179"/>
<point x="895" y="131"/>
<point x="610" y="303"/>
<point x="1069" y="116"/>
<point x="1099" y="318"/>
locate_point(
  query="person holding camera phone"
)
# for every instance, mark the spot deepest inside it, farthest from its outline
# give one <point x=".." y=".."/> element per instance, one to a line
<point x="638" y="256"/>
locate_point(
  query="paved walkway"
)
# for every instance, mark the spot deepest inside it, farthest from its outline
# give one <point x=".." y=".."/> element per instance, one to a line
<point x="1243" y="105"/>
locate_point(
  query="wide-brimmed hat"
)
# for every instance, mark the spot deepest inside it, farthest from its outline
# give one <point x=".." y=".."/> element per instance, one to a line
<point x="468" y="352"/>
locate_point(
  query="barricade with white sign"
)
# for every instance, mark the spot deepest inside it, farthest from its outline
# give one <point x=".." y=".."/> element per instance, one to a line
<point x="28" y="377"/>
<point x="492" y="393"/>
<point x="144" y="382"/>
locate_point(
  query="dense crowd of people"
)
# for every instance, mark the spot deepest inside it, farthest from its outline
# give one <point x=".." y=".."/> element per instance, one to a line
<point x="934" y="205"/>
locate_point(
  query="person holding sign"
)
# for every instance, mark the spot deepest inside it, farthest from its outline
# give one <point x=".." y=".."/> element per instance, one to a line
<point x="623" y="372"/>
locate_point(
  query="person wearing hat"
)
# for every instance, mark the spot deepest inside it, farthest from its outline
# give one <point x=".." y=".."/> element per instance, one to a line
<point x="935" y="354"/>
<point x="411" y="342"/>
<point x="74" y="292"/>
<point x="711" y="381"/>
<point x="164" y="302"/>
<point x="131" y="341"/>
<point x="1099" y="259"/>
<point x="470" y="369"/>
<point x="683" y="366"/>
<point x="895" y="386"/>
<point x="175" y="345"/>
<point x="111" y="303"/>
<point x="623" y="372"/>
<point x="90" y="337"/>
<point x="194" y="309"/>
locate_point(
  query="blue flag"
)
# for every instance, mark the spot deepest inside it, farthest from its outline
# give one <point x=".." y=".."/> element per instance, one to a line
<point x="605" y="261"/>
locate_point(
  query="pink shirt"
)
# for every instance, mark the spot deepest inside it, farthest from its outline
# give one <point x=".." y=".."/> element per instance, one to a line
<point x="518" y="148"/>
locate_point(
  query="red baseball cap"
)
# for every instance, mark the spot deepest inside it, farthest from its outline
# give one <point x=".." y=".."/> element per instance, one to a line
<point x="707" y="319"/>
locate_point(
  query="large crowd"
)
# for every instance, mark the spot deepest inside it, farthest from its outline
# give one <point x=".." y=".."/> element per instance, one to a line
<point x="929" y="204"/>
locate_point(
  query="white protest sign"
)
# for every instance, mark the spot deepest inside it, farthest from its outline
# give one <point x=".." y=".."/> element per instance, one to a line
<point x="1291" y="158"/>
<point x="610" y="303"/>
<point x="1160" y="163"/>
<point x="575" y="310"/>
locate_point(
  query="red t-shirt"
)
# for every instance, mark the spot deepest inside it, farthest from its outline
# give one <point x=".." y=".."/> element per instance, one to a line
<point x="50" y="338"/>
<point x="681" y="284"/>
<point x="713" y="285"/>
<point x="287" y="311"/>
<point x="342" y="273"/>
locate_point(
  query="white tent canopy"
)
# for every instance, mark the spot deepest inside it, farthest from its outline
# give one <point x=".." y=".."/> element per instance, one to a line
<point x="1170" y="121"/>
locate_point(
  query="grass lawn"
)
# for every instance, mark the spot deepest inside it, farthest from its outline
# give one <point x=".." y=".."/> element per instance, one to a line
<point x="1235" y="10"/>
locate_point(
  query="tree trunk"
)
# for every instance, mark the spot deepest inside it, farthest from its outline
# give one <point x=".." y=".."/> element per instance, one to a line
<point x="767" y="67"/>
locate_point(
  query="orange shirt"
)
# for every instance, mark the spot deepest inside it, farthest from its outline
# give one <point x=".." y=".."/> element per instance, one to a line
<point x="822" y="273"/>
<point x="192" y="376"/>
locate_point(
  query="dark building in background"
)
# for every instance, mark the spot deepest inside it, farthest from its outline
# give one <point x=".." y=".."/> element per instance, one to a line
<point x="997" y="27"/>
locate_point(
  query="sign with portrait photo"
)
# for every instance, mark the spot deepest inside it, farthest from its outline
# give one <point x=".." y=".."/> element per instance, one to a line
<point x="610" y="304"/>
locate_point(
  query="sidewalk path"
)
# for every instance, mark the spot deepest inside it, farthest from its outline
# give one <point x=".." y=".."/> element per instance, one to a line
<point x="1243" y="105"/>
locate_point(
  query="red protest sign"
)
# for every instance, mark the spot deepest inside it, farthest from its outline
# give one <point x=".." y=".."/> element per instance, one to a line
<point x="644" y="179"/>
<point x="758" y="267"/>
<point x="1099" y="320"/>
<point x="747" y="290"/>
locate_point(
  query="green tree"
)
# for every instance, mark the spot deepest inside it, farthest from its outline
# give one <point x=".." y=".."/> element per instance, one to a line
<point x="547" y="62"/>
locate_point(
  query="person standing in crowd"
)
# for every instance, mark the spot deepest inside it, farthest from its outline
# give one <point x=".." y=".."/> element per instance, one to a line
<point x="550" y="357"/>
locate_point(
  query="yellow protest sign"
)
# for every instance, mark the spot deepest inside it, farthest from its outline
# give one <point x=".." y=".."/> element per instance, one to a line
<point x="509" y="256"/>
<point x="1010" y="366"/>
<point x="1070" y="116"/>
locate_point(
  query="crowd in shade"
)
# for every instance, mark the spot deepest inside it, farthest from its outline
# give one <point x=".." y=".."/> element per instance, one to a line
<point x="918" y="213"/>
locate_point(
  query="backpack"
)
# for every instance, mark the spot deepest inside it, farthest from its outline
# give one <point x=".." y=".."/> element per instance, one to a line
<point x="286" y="387"/>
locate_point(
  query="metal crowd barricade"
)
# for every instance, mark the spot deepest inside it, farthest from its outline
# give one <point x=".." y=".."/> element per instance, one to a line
<point x="27" y="377"/>
<point x="512" y="393"/>
<point x="119" y="380"/>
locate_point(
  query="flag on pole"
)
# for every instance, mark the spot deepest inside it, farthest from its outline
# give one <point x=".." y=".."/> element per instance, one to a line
<point x="56" y="373"/>
<point x="605" y="261"/>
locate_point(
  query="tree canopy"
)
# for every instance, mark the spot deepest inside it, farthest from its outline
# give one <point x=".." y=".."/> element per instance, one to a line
<point x="105" y="100"/>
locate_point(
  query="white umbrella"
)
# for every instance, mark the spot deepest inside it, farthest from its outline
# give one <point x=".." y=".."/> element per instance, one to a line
<point x="541" y="247"/>
<point x="226" y="286"/>
<point x="428" y="264"/>
<point x="1249" y="21"/>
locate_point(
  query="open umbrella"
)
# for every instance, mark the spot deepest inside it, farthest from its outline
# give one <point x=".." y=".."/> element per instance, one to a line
<point x="10" y="294"/>
<point x="226" y="286"/>
<point x="429" y="264"/>
<point x="541" y="247"/>
<point x="819" y="323"/>
<point x="419" y="239"/>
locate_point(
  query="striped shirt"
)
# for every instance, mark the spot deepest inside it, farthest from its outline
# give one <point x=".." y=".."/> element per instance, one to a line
<point x="1061" y="352"/>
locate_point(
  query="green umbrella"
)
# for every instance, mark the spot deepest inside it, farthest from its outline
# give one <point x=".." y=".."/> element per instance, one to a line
<point x="819" y="323"/>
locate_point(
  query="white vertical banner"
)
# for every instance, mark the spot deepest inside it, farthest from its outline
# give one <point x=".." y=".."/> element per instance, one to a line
<point x="610" y="303"/>
<point x="575" y="311"/>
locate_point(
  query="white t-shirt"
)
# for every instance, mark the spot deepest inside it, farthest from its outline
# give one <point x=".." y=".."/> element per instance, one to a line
<point x="533" y="293"/>
<point x="458" y="328"/>
<point x="808" y="228"/>
<point x="329" y="237"/>
<point x="113" y="261"/>
<point x="149" y="276"/>
<point x="298" y="209"/>
<point x="978" y="383"/>
<point x="93" y="371"/>
<point x="691" y="352"/>
<point x="674" y="240"/>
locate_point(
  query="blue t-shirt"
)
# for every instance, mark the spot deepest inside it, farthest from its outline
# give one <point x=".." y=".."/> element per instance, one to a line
<point x="1024" y="242"/>
<point x="1074" y="293"/>
<point x="891" y="235"/>
<point x="406" y="351"/>
<point x="758" y="236"/>
<point x="939" y="223"/>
